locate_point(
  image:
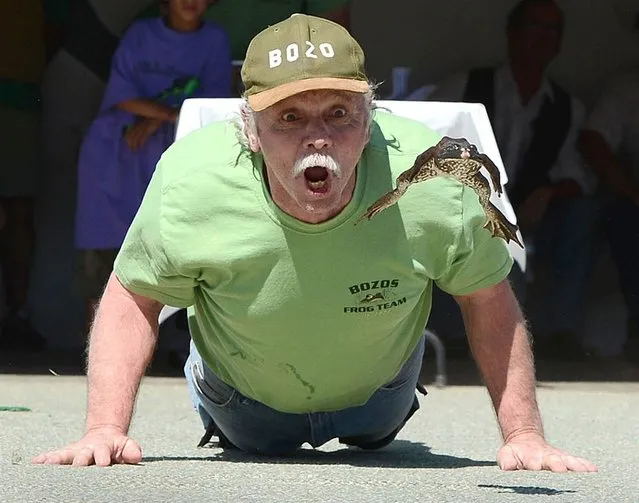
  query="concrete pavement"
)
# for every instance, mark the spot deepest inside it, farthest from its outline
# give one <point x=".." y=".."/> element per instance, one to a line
<point x="445" y="454"/>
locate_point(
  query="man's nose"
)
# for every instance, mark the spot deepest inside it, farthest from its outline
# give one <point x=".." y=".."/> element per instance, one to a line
<point x="318" y="136"/>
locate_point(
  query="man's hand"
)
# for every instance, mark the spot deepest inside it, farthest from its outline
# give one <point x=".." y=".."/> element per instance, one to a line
<point x="532" y="210"/>
<point x="121" y="345"/>
<point x="101" y="446"/>
<point x="140" y="132"/>
<point x="532" y="452"/>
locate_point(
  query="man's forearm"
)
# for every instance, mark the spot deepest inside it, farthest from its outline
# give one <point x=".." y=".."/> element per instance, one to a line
<point x="600" y="157"/>
<point x="500" y="344"/>
<point x="122" y="342"/>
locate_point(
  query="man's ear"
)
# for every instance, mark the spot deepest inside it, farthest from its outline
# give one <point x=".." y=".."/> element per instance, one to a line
<point x="250" y="129"/>
<point x="254" y="141"/>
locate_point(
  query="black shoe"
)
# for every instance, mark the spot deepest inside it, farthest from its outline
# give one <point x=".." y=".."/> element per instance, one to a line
<point x="19" y="335"/>
<point x="222" y="441"/>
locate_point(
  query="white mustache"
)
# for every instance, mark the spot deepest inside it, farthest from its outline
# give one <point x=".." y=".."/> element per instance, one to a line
<point x="323" y="160"/>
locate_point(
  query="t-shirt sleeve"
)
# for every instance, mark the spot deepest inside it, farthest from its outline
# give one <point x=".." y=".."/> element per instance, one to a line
<point x="121" y="85"/>
<point x="144" y="264"/>
<point x="479" y="260"/>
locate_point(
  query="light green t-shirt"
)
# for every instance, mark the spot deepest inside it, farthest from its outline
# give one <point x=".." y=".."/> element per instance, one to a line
<point x="305" y="317"/>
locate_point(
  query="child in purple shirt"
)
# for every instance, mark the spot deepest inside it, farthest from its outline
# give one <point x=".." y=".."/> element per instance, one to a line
<point x="159" y="63"/>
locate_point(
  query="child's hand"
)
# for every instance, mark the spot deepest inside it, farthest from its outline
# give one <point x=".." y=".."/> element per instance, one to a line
<point x="140" y="132"/>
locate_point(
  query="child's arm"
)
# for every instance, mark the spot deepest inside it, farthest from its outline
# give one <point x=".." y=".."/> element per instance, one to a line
<point x="124" y="89"/>
<point x="149" y="109"/>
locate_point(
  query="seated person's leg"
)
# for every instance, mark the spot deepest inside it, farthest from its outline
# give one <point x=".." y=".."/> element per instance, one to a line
<point x="18" y="181"/>
<point x="566" y="243"/>
<point x="621" y="223"/>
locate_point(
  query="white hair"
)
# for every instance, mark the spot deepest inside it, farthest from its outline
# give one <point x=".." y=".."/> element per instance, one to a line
<point x="316" y="159"/>
<point x="246" y="123"/>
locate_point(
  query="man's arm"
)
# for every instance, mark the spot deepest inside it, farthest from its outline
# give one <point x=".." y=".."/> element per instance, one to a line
<point x="570" y="175"/>
<point x="500" y="344"/>
<point x="604" y="132"/>
<point x="599" y="155"/>
<point x="122" y="341"/>
<point x="568" y="178"/>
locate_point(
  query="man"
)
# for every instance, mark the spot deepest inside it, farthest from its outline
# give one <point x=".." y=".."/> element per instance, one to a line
<point x="29" y="32"/>
<point x="610" y="144"/>
<point x="305" y="326"/>
<point x="536" y="124"/>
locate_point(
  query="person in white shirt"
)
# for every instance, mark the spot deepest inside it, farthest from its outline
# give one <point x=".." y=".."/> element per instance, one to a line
<point x="536" y="124"/>
<point x="610" y="143"/>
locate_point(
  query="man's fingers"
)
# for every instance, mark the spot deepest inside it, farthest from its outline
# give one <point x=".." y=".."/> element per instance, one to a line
<point x="60" y="457"/>
<point x="102" y="455"/>
<point x="39" y="459"/>
<point x="83" y="457"/>
<point x="555" y="463"/>
<point x="131" y="453"/>
<point x="575" y="464"/>
<point x="506" y="459"/>
<point x="507" y="463"/>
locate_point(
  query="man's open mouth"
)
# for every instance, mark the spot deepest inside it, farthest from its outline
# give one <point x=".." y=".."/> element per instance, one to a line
<point x="316" y="178"/>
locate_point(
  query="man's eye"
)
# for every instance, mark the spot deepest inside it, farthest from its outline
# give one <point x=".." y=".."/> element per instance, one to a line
<point x="289" y="117"/>
<point x="339" y="113"/>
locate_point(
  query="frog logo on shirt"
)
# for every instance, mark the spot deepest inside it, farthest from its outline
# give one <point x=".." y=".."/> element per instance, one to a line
<point x="372" y="298"/>
<point x="375" y="296"/>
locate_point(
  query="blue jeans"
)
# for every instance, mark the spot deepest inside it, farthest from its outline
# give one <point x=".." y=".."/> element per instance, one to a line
<point x="254" y="427"/>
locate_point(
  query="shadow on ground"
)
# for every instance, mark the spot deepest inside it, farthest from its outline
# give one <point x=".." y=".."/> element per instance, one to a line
<point x="400" y="454"/>
<point x="527" y="490"/>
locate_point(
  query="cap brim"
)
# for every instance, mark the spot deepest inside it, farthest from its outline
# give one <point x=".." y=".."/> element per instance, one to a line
<point x="265" y="99"/>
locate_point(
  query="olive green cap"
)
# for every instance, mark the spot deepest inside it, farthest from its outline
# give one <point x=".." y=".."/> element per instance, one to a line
<point x="302" y="53"/>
